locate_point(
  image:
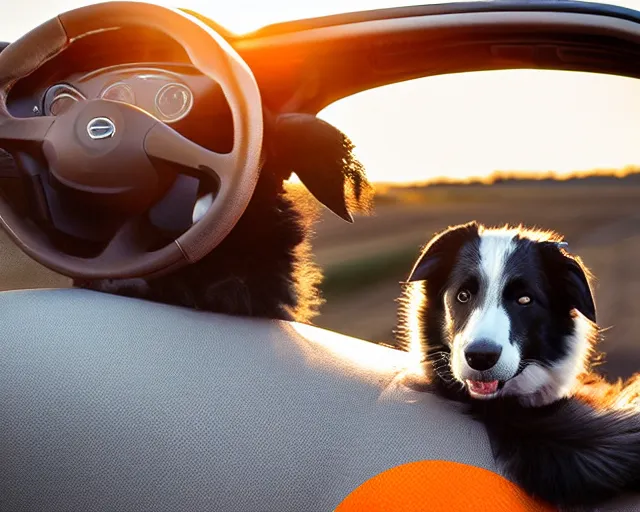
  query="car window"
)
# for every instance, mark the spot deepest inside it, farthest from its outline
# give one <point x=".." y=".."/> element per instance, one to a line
<point x="551" y="149"/>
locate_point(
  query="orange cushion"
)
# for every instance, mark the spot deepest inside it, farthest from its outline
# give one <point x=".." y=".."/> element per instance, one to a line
<point x="440" y="486"/>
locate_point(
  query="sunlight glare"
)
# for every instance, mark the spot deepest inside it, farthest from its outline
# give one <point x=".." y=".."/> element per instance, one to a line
<point x="472" y="124"/>
<point x="353" y="352"/>
<point x="413" y="315"/>
<point x="453" y="126"/>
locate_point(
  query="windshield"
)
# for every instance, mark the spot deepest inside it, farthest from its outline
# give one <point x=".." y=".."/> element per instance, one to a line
<point x="468" y="125"/>
<point x="238" y="16"/>
<point x="489" y="146"/>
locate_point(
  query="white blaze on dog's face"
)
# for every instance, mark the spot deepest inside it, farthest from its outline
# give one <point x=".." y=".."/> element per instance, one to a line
<point x="484" y="345"/>
<point x="509" y="307"/>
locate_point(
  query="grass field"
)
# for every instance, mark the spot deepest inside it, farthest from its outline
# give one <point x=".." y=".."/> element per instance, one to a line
<point x="364" y="262"/>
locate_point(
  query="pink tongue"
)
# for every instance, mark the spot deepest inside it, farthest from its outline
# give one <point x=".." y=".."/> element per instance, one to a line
<point x="483" y="388"/>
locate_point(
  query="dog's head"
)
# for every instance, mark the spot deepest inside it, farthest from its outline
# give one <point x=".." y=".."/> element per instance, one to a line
<point x="318" y="153"/>
<point x="510" y="311"/>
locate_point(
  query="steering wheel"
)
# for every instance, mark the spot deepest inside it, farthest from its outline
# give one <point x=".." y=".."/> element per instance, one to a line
<point x="121" y="157"/>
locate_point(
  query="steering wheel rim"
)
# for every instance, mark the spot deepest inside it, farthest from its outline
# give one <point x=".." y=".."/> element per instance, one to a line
<point x="236" y="172"/>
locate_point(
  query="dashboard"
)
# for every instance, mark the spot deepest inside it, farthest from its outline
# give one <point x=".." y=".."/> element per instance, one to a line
<point x="139" y="67"/>
<point x="162" y="93"/>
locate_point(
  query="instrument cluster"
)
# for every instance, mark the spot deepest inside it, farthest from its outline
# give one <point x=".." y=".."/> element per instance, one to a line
<point x="161" y="93"/>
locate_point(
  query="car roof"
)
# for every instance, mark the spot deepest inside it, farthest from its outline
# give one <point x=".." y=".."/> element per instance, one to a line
<point x="371" y="49"/>
<point x="476" y="6"/>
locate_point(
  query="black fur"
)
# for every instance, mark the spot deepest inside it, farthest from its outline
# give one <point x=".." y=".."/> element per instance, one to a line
<point x="264" y="267"/>
<point x="569" y="453"/>
<point x="576" y="451"/>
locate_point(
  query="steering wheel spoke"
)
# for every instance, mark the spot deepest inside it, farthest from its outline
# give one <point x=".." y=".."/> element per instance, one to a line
<point x="164" y="144"/>
<point x="23" y="133"/>
<point x="129" y="240"/>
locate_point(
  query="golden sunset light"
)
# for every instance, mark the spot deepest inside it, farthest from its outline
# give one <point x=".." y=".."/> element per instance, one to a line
<point x="455" y="126"/>
<point x="224" y="292"/>
<point x="469" y="125"/>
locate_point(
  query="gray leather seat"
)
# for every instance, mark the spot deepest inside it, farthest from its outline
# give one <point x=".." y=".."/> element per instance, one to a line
<point x="113" y="404"/>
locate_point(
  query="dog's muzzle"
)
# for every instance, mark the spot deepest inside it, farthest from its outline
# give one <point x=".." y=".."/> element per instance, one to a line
<point x="482" y="355"/>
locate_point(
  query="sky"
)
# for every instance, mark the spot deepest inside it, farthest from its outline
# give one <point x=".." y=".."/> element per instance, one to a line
<point x="454" y="126"/>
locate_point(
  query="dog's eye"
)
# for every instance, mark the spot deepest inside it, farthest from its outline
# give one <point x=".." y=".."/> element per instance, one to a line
<point x="463" y="296"/>
<point x="524" y="300"/>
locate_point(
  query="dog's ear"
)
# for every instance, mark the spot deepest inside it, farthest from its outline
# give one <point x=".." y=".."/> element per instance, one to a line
<point x="578" y="287"/>
<point x="441" y="250"/>
<point x="574" y="276"/>
<point x="322" y="157"/>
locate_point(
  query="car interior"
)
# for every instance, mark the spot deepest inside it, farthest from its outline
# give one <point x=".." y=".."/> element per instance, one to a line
<point x="114" y="403"/>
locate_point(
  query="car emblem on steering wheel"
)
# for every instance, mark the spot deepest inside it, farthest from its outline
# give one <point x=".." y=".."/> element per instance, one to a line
<point x="101" y="128"/>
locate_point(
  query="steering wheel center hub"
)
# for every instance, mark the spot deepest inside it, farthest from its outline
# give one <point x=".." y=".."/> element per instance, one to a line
<point x="96" y="149"/>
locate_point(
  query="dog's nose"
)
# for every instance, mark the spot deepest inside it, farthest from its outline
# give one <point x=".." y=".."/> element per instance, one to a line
<point x="482" y="355"/>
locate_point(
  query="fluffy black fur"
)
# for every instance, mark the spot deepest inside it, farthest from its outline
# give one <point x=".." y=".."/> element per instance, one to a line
<point x="569" y="453"/>
<point x="577" y="451"/>
<point x="264" y="266"/>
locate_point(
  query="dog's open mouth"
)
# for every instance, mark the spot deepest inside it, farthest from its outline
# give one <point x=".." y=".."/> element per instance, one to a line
<point x="481" y="389"/>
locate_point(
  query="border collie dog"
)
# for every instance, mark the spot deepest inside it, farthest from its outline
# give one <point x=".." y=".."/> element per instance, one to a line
<point x="264" y="268"/>
<point x="505" y="322"/>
